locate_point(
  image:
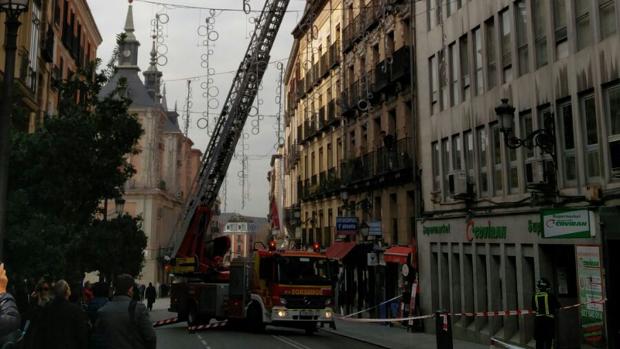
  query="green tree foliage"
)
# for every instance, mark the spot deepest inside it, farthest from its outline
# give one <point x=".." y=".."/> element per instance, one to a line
<point x="60" y="174"/>
<point x="118" y="248"/>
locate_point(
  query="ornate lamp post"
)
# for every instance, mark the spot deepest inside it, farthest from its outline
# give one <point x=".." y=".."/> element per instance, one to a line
<point x="119" y="205"/>
<point x="12" y="9"/>
<point x="543" y="138"/>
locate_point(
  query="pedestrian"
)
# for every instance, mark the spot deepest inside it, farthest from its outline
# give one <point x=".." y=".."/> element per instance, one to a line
<point x="151" y="294"/>
<point x="87" y="292"/>
<point x="390" y="149"/>
<point x="124" y="322"/>
<point x="9" y="315"/>
<point x="546" y="306"/>
<point x="65" y="324"/>
<point x="101" y="292"/>
<point x="39" y="299"/>
<point x="41" y="296"/>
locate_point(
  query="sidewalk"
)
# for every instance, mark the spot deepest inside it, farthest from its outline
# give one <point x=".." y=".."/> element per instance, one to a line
<point x="391" y="337"/>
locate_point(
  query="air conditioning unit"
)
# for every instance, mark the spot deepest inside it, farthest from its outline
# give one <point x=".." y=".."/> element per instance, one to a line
<point x="458" y="184"/>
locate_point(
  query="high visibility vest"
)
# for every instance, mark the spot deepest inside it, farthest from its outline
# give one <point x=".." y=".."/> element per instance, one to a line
<point x="541" y="299"/>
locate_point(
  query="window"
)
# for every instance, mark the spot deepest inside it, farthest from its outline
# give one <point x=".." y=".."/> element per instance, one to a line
<point x="513" y="171"/>
<point x="607" y="17"/>
<point x="454" y="75"/>
<point x="436" y="171"/>
<point x="482" y="160"/>
<point x="431" y="17"/>
<point x="35" y="38"/>
<point x="445" y="163"/>
<point x="456" y="152"/>
<point x="478" y="61"/>
<point x="527" y="127"/>
<point x="583" y="27"/>
<point x="491" y="55"/>
<point x="452" y="7"/>
<point x="468" y="139"/>
<point x="592" y="156"/>
<point x="568" y="141"/>
<point x="540" y="34"/>
<point x="496" y="157"/>
<point x="561" y="33"/>
<point x="506" y="45"/>
<point x="612" y="111"/>
<point x="443" y="79"/>
<point x="434" y="81"/>
<point x="464" y="54"/>
<point x="522" y="49"/>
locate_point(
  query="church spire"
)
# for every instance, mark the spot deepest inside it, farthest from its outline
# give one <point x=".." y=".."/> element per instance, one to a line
<point x="128" y="47"/>
<point x="152" y="76"/>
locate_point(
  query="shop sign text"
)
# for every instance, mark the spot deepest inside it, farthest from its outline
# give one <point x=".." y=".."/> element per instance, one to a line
<point x="485" y="232"/>
<point x="566" y="223"/>
<point x="436" y="229"/>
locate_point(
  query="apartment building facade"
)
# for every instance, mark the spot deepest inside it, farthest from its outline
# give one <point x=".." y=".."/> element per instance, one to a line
<point x="497" y="217"/>
<point x="348" y="146"/>
<point x="55" y="39"/>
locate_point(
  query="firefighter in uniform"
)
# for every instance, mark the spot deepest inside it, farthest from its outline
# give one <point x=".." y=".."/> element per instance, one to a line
<point x="546" y="306"/>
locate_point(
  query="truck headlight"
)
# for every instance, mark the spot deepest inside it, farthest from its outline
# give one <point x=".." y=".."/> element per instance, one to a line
<point x="281" y="313"/>
<point x="328" y="314"/>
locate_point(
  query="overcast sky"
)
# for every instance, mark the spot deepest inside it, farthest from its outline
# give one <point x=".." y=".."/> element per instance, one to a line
<point x="184" y="60"/>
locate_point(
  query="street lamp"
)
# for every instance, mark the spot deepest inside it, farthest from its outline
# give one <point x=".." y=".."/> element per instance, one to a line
<point x="119" y="205"/>
<point x="13" y="9"/>
<point x="543" y="138"/>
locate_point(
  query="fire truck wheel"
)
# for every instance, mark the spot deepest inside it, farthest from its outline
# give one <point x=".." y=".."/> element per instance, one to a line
<point x="192" y="316"/>
<point x="255" y="318"/>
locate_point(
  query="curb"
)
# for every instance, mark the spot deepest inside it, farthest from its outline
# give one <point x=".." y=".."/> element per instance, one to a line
<point x="350" y="336"/>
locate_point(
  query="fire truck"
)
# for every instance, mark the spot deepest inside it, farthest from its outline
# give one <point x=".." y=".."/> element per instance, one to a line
<point x="287" y="288"/>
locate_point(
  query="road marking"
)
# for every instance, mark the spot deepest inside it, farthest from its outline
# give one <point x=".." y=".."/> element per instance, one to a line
<point x="291" y="342"/>
<point x="204" y="342"/>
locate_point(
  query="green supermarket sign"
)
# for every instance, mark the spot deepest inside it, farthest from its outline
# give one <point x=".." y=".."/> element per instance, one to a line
<point x="567" y="223"/>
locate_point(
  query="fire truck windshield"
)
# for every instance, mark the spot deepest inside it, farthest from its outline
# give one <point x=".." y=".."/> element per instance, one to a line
<point x="303" y="270"/>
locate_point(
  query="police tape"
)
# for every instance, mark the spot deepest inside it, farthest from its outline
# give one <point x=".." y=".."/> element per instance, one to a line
<point x="495" y="313"/>
<point x="373" y="307"/>
<point x="165" y="322"/>
<point x="213" y="324"/>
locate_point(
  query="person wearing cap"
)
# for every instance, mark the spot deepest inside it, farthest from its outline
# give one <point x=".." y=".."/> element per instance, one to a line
<point x="546" y="306"/>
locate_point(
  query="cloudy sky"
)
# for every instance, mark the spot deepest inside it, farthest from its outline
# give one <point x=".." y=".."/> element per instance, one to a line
<point x="185" y="50"/>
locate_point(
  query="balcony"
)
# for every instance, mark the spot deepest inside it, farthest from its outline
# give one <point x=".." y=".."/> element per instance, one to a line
<point x="332" y="113"/>
<point x="401" y="65"/>
<point x="373" y="167"/>
<point x="324" y="65"/>
<point x="334" y="54"/>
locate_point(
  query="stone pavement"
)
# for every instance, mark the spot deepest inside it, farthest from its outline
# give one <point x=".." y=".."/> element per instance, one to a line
<point x="392" y="337"/>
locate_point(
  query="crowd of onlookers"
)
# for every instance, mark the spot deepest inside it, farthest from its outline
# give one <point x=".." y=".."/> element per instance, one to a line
<point x="96" y="316"/>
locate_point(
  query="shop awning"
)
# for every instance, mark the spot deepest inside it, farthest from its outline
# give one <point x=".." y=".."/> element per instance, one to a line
<point x="339" y="249"/>
<point x="397" y="254"/>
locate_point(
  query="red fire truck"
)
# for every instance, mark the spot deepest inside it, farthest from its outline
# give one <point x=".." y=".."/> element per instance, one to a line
<point x="281" y="288"/>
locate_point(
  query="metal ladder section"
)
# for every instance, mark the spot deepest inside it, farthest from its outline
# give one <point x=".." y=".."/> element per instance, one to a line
<point x="229" y="126"/>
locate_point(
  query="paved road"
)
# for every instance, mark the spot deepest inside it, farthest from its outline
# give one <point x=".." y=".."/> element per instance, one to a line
<point x="176" y="336"/>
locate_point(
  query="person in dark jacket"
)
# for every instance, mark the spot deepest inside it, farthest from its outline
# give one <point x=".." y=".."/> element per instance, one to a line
<point x="101" y="292"/>
<point x="65" y="324"/>
<point x="9" y="315"/>
<point x="124" y="322"/>
<point x="151" y="295"/>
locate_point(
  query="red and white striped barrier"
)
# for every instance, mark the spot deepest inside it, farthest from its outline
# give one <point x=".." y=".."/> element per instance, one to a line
<point x="213" y="324"/>
<point x="517" y="312"/>
<point x="165" y="322"/>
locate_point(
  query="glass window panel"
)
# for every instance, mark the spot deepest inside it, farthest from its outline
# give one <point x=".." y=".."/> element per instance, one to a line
<point x="478" y="61"/>
<point x="497" y="159"/>
<point x="527" y="127"/>
<point x="490" y="51"/>
<point x="607" y="14"/>
<point x="464" y="54"/>
<point x="561" y="34"/>
<point x="613" y="109"/>
<point x="456" y="152"/>
<point x="540" y="33"/>
<point x="482" y="159"/>
<point x="568" y="140"/>
<point x="436" y="172"/>
<point x="445" y="162"/>
<point x="591" y="137"/>
<point x="506" y="45"/>
<point x="454" y="74"/>
<point x="522" y="37"/>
